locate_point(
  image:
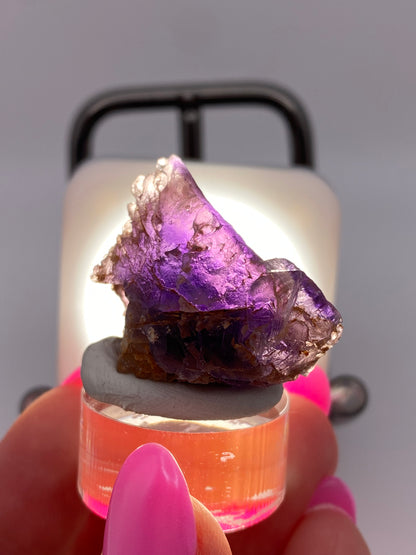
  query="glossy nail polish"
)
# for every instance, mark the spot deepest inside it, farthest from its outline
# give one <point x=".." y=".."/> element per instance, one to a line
<point x="315" y="387"/>
<point x="150" y="510"/>
<point x="74" y="378"/>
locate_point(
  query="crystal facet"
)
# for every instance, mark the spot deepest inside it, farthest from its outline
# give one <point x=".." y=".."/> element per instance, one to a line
<point x="202" y="307"/>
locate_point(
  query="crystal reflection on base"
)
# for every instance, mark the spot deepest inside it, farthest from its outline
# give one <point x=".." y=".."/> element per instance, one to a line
<point x="236" y="468"/>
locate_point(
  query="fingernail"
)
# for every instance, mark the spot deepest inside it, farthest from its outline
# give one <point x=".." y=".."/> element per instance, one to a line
<point x="315" y="387"/>
<point x="73" y="379"/>
<point x="333" y="492"/>
<point x="150" y="509"/>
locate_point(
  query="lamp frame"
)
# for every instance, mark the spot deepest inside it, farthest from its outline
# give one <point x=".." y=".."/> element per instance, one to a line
<point x="189" y="99"/>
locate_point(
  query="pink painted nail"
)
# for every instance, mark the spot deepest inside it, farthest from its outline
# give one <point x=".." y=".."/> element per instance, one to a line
<point x="333" y="492"/>
<point x="315" y="387"/>
<point x="150" y="509"/>
<point x="74" y="378"/>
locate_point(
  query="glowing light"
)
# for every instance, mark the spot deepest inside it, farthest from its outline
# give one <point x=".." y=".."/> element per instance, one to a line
<point x="258" y="231"/>
<point x="103" y="310"/>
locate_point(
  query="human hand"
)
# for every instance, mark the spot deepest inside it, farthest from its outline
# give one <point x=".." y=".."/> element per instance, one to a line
<point x="41" y="512"/>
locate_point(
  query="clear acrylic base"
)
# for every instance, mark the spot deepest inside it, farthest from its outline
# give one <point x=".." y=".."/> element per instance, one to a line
<point x="236" y="468"/>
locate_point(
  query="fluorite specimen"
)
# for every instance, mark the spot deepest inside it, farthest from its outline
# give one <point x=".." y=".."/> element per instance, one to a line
<point x="202" y="307"/>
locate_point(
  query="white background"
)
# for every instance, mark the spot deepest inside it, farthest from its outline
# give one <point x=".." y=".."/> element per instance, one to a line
<point x="353" y="65"/>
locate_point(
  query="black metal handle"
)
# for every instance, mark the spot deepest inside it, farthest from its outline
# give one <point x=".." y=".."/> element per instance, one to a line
<point x="189" y="99"/>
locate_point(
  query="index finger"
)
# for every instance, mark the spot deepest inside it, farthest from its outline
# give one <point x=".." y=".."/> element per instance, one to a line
<point x="41" y="511"/>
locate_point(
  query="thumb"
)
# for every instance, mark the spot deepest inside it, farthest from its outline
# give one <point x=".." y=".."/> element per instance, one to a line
<point x="152" y="512"/>
<point x="211" y="539"/>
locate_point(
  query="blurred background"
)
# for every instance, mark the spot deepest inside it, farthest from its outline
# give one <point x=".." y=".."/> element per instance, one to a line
<point x="352" y="65"/>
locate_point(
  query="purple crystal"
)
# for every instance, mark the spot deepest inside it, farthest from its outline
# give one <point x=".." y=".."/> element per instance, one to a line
<point x="201" y="305"/>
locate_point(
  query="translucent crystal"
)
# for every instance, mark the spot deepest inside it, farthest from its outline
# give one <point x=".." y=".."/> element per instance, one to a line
<point x="202" y="307"/>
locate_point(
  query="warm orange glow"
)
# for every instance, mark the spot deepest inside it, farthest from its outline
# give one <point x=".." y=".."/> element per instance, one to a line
<point x="239" y="474"/>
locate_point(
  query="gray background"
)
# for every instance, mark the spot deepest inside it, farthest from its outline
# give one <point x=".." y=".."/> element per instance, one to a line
<point x="353" y="65"/>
